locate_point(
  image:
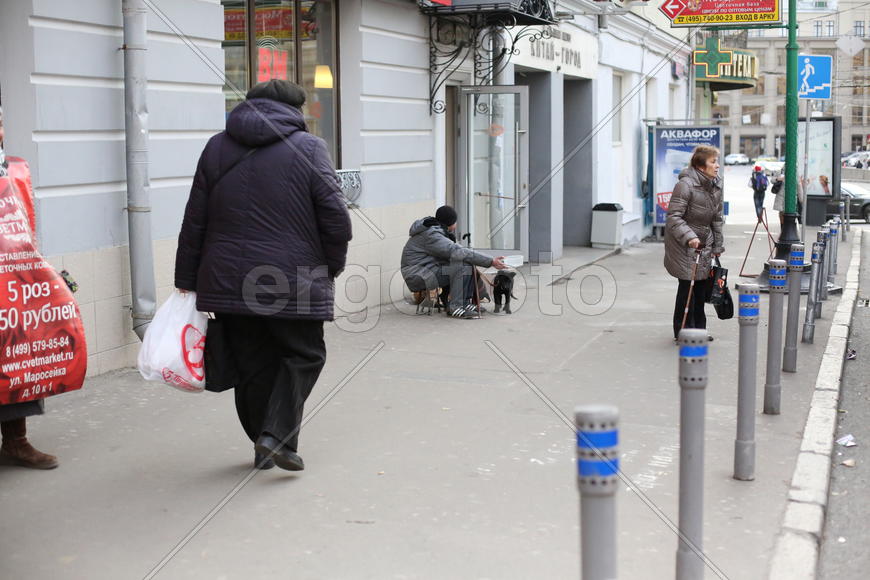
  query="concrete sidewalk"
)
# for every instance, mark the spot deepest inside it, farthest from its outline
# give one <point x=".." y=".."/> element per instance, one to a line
<point x="433" y="460"/>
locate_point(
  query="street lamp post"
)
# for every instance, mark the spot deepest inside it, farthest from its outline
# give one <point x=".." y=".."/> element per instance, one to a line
<point x="789" y="233"/>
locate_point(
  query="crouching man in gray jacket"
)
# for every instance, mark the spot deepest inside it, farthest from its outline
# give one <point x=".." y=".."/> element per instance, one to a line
<point x="432" y="259"/>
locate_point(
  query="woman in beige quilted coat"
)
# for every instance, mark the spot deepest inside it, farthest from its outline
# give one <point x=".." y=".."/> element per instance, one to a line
<point x="694" y="225"/>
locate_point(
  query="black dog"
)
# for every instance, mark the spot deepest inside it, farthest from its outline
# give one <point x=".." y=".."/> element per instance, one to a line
<point x="503" y="286"/>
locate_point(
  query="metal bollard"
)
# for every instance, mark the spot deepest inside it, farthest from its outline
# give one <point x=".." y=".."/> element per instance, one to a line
<point x="792" y="320"/>
<point x="693" y="382"/>
<point x="848" y="218"/>
<point x="772" y="381"/>
<point x="829" y="254"/>
<point x="844" y="224"/>
<point x="835" y="247"/>
<point x="823" y="276"/>
<point x="747" y="363"/>
<point x="597" y="469"/>
<point x="812" y="299"/>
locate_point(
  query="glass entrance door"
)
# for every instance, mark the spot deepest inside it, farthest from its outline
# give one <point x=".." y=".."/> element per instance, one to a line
<point x="494" y="168"/>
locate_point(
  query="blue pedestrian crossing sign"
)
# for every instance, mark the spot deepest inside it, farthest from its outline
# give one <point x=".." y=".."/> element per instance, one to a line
<point x="814" y="76"/>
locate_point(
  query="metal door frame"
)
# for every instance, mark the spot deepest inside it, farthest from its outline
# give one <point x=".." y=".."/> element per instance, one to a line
<point x="521" y="167"/>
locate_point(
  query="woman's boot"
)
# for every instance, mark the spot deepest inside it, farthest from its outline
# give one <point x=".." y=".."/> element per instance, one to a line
<point x="17" y="450"/>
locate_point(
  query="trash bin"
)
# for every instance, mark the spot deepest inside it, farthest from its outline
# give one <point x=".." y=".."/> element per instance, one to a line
<point x="607" y="226"/>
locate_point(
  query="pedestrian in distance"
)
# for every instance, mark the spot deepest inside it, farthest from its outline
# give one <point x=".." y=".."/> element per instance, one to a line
<point x="15" y="448"/>
<point x="758" y="182"/>
<point x="265" y="234"/>
<point x="432" y="259"/>
<point x="779" y="202"/>
<point x="693" y="236"/>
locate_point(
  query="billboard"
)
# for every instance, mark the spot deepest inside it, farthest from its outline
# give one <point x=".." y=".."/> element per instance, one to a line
<point x="823" y="167"/>
<point x="672" y="151"/>
<point x="684" y="13"/>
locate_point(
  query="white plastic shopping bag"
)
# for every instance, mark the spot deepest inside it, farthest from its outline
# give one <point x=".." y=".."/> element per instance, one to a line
<point x="174" y="345"/>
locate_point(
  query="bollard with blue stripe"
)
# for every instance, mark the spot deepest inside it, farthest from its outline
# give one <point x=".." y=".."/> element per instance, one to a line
<point x="598" y="480"/>
<point x="693" y="369"/>
<point x="828" y="259"/>
<point x="792" y="321"/>
<point x="812" y="296"/>
<point x="835" y="246"/>
<point x="747" y="364"/>
<point x="822" y="290"/>
<point x="772" y="382"/>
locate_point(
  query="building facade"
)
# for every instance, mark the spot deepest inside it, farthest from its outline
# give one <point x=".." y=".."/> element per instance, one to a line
<point x="523" y="147"/>
<point x="754" y="118"/>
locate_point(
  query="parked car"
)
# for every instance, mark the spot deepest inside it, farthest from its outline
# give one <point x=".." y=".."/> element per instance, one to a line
<point x="770" y="165"/>
<point x="736" y="159"/>
<point x="853" y="159"/>
<point x="858" y="196"/>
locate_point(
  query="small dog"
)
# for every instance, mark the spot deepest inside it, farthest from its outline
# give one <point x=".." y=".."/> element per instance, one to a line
<point x="427" y="299"/>
<point x="503" y="286"/>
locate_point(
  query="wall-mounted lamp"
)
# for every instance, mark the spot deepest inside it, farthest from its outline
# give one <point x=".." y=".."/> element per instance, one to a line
<point x="322" y="77"/>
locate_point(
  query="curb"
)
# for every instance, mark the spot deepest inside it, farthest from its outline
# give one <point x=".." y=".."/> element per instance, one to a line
<point x="796" y="553"/>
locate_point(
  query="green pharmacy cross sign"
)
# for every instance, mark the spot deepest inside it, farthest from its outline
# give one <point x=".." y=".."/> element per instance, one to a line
<point x="713" y="58"/>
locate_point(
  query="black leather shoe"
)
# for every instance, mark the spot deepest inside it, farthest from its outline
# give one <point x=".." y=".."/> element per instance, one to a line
<point x="263" y="461"/>
<point x="283" y="457"/>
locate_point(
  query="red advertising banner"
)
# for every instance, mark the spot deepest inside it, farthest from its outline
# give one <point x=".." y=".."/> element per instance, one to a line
<point x="274" y="21"/>
<point x="42" y="339"/>
<point x="685" y="13"/>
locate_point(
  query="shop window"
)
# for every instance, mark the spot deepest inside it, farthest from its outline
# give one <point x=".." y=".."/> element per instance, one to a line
<point x="857" y="142"/>
<point x="721" y="114"/>
<point x="751" y="115"/>
<point x="294" y="40"/>
<point x="616" y="122"/>
<point x="752" y="146"/>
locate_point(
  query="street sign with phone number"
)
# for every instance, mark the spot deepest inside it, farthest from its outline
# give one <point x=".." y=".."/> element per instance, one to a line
<point x="685" y="13"/>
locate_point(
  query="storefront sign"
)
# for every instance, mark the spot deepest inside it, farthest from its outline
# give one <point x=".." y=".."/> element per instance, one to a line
<point x="42" y="339"/>
<point x="684" y="13"/>
<point x="673" y="148"/>
<point x="571" y="52"/>
<point x="725" y="68"/>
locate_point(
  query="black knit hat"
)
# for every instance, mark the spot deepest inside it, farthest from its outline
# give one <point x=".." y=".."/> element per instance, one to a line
<point x="446" y="216"/>
<point x="278" y="90"/>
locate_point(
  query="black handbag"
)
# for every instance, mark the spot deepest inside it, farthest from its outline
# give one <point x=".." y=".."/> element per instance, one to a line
<point x="221" y="370"/>
<point x="725" y="309"/>
<point x="720" y="296"/>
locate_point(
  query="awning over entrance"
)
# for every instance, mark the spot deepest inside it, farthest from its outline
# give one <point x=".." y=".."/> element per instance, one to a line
<point x="504" y="12"/>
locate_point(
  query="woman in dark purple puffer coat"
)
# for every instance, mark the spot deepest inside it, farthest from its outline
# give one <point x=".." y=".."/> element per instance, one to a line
<point x="265" y="233"/>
